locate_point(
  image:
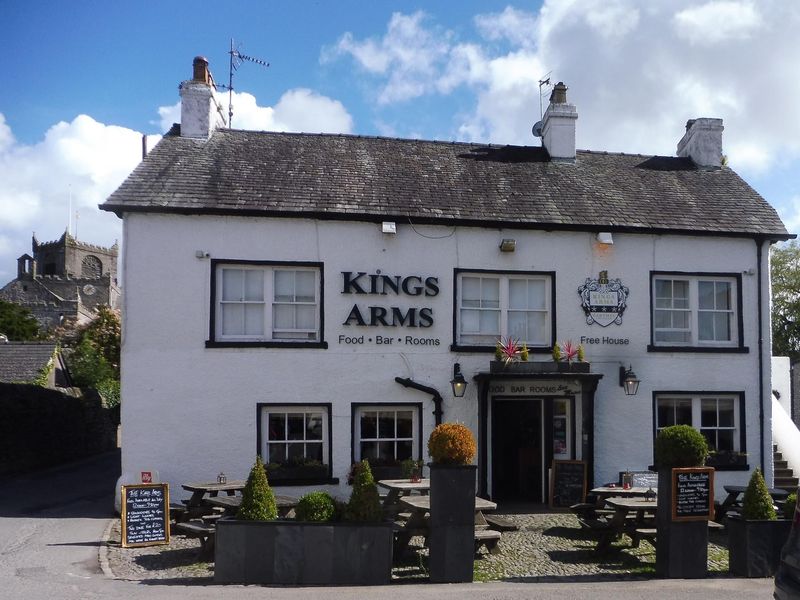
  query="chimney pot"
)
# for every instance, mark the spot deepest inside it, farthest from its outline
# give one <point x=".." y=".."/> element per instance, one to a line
<point x="200" y="69"/>
<point x="559" y="94"/>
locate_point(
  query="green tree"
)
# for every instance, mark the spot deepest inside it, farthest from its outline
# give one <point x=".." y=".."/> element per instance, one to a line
<point x="785" y="271"/>
<point x="258" y="500"/>
<point x="17" y="322"/>
<point x="94" y="361"/>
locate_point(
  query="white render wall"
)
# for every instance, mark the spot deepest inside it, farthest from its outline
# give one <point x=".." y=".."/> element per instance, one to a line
<point x="190" y="412"/>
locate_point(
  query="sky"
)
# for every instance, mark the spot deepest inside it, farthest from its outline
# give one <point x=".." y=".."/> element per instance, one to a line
<point x="83" y="81"/>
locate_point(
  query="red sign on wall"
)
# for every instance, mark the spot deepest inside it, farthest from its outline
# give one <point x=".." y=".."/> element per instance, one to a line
<point x="147" y="477"/>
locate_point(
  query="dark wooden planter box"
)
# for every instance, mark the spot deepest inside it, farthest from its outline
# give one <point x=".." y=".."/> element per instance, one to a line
<point x="755" y="546"/>
<point x="498" y="366"/>
<point x="682" y="546"/>
<point x="386" y="472"/>
<point x="297" y="553"/>
<point x="452" y="523"/>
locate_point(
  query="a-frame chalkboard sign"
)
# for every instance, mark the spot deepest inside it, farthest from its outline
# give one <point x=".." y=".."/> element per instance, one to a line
<point x="145" y="514"/>
<point x="567" y="483"/>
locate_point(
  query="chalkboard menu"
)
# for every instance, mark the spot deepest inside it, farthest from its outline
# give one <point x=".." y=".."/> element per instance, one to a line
<point x="693" y="494"/>
<point x="644" y="479"/>
<point x="567" y="483"/>
<point x="145" y="514"/>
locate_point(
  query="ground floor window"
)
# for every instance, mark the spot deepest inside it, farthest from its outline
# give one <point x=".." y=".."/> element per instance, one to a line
<point x="294" y="441"/>
<point x="719" y="417"/>
<point x="386" y="435"/>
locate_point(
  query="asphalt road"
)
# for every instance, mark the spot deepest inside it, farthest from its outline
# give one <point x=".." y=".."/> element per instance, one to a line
<point x="52" y="524"/>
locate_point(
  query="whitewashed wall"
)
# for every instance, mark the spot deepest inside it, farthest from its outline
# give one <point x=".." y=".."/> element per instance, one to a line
<point x="190" y="412"/>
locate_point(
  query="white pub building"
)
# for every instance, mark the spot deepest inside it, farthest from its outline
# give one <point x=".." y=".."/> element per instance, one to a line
<point x="310" y="298"/>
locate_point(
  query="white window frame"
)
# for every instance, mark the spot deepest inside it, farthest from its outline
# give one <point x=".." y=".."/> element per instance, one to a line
<point x="694" y="311"/>
<point x="415" y="427"/>
<point x="567" y="418"/>
<point x="504" y="278"/>
<point x="287" y="409"/>
<point x="696" y="402"/>
<point x="270" y="333"/>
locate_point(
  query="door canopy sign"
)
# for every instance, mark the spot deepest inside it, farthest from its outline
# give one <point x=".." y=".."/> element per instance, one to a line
<point x="603" y="300"/>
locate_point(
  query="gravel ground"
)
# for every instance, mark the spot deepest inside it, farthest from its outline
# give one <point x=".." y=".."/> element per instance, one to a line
<point x="548" y="547"/>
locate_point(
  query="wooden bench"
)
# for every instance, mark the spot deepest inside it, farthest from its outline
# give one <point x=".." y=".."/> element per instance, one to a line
<point x="649" y="533"/>
<point x="203" y="532"/>
<point x="487" y="538"/>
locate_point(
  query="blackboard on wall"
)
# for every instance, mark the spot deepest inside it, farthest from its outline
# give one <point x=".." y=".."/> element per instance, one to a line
<point x="567" y="483"/>
<point x="693" y="494"/>
<point x="645" y="479"/>
<point x="145" y="514"/>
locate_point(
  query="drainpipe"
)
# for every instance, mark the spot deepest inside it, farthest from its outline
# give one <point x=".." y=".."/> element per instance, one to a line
<point x="759" y="252"/>
<point x="437" y="398"/>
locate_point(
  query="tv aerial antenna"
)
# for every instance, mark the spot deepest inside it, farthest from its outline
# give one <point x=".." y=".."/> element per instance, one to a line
<point x="544" y="83"/>
<point x="237" y="58"/>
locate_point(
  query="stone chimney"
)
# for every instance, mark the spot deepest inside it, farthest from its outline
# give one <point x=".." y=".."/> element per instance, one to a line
<point x="558" y="125"/>
<point x="702" y="142"/>
<point x="199" y="114"/>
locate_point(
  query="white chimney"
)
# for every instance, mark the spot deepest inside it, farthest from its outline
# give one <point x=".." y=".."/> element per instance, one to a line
<point x="199" y="113"/>
<point x="558" y="125"/>
<point x="702" y="142"/>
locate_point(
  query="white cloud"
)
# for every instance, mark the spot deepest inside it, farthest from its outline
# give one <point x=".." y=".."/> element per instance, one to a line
<point x="790" y="214"/>
<point x="299" y="110"/>
<point x="636" y="72"/>
<point x="717" y="21"/>
<point x="82" y="161"/>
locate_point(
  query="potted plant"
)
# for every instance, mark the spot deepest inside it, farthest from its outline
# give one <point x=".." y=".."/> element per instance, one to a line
<point x="755" y="537"/>
<point x="452" y="522"/>
<point x="681" y="547"/>
<point x="326" y="544"/>
<point x="512" y="356"/>
<point x="412" y="469"/>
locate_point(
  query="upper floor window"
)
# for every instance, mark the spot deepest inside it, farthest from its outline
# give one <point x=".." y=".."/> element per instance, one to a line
<point x="490" y="305"/>
<point x="695" y="310"/>
<point x="260" y="302"/>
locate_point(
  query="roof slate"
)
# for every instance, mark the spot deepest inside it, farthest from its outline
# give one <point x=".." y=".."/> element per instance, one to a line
<point x="22" y="361"/>
<point x="373" y="178"/>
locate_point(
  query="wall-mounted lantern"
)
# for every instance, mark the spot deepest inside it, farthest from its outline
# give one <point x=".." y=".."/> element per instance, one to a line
<point x="628" y="380"/>
<point x="458" y="383"/>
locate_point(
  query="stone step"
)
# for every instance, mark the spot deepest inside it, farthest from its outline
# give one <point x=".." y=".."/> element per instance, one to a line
<point x="786" y="483"/>
<point x="777" y="456"/>
<point x="780" y="464"/>
<point x="783" y="474"/>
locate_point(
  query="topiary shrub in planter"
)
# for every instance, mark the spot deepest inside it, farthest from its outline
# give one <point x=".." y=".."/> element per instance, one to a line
<point x="258" y="500"/>
<point x="790" y="506"/>
<point x="452" y="448"/>
<point x="317" y="507"/>
<point x="755" y="537"/>
<point x="681" y="546"/>
<point x="316" y="550"/>
<point x="365" y="502"/>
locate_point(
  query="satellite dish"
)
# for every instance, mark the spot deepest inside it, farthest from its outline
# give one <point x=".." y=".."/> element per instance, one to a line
<point x="537" y="129"/>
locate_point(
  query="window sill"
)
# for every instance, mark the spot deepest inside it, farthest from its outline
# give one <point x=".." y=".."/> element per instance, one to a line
<point x="730" y="467"/>
<point x="700" y="349"/>
<point x="317" y="345"/>
<point x="484" y="349"/>
<point x="312" y="481"/>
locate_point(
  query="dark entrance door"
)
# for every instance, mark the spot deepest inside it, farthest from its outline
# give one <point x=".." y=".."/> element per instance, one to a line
<point x="517" y="450"/>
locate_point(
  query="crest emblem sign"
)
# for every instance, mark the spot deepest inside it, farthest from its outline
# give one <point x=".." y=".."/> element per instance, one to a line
<point x="603" y="300"/>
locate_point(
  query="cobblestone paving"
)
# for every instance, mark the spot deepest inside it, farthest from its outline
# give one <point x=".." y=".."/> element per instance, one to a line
<point x="547" y="547"/>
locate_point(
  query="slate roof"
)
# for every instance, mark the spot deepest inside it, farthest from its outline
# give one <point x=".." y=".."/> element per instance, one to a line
<point x="22" y="361"/>
<point x="373" y="178"/>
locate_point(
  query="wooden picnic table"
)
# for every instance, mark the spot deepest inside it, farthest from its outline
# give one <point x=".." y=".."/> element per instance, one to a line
<point x="231" y="504"/>
<point x="608" y="491"/>
<point x="732" y="499"/>
<point x="398" y="488"/>
<point x="610" y="529"/>
<point x="195" y="507"/>
<point x="417" y="523"/>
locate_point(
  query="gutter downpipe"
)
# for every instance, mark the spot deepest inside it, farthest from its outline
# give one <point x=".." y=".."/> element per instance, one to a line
<point x="437" y="397"/>
<point x="759" y="256"/>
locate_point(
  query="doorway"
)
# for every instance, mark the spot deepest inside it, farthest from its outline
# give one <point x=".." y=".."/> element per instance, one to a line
<point x="518" y="449"/>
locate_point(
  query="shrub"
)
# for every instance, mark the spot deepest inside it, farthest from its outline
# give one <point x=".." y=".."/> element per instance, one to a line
<point x="452" y="444"/>
<point x="365" y="503"/>
<point x="790" y="505"/>
<point x="316" y="506"/>
<point x="757" y="503"/>
<point x="258" y="501"/>
<point x="409" y="465"/>
<point x="556" y="352"/>
<point x="680" y="446"/>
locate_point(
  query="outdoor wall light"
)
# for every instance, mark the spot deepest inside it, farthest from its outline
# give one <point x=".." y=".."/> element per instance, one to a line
<point x="628" y="380"/>
<point x="389" y="227"/>
<point x="508" y="245"/>
<point x="605" y="237"/>
<point x="458" y="383"/>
